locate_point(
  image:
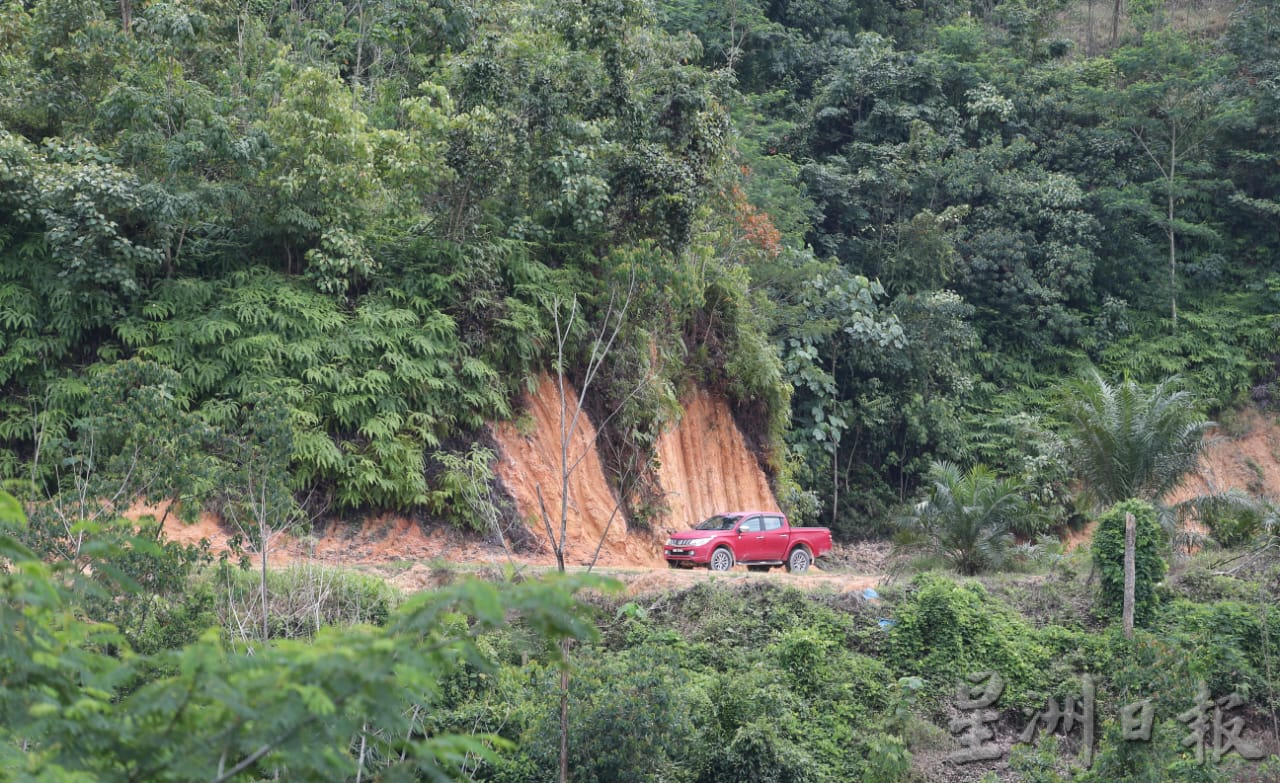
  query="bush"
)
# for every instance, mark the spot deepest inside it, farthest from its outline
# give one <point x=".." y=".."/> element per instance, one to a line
<point x="1234" y="527"/>
<point x="946" y="631"/>
<point x="759" y="754"/>
<point x="632" y="717"/>
<point x="1149" y="566"/>
<point x="301" y="600"/>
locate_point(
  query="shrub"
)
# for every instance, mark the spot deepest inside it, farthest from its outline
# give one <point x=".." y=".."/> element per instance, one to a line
<point x="302" y="599"/>
<point x="1234" y="527"/>
<point x="1149" y="566"/>
<point x="946" y="631"/>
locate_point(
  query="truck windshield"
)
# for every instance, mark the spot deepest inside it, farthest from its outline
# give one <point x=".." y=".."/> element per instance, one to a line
<point x="720" y="522"/>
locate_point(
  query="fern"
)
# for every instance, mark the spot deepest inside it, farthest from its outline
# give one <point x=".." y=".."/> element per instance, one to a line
<point x="369" y="388"/>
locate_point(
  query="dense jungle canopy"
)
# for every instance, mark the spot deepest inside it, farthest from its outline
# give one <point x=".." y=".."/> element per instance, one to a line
<point x="333" y="237"/>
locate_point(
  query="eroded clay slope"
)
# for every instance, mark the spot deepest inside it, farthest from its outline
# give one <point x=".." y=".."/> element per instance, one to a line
<point x="1246" y="459"/>
<point x="529" y="463"/>
<point x="705" y="467"/>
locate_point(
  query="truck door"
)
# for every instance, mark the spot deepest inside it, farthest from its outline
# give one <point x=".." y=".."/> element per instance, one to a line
<point x="750" y="539"/>
<point x="776" y="538"/>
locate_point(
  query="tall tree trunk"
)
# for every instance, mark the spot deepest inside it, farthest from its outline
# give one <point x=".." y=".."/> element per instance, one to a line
<point x="835" y="457"/>
<point x="262" y="593"/>
<point x="1088" y="32"/>
<point x="126" y="16"/>
<point x="1115" y="24"/>
<point x="1172" y="232"/>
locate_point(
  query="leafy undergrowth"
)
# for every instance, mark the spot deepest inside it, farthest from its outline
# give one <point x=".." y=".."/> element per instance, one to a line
<point x="801" y="685"/>
<point x="727" y="680"/>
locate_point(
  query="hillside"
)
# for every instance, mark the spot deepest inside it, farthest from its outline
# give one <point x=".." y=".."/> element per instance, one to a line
<point x="293" y="294"/>
<point x="706" y="468"/>
<point x="878" y="233"/>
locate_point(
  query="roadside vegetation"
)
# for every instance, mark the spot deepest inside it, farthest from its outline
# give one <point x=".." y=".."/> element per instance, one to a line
<point x="717" y="682"/>
<point x="969" y="272"/>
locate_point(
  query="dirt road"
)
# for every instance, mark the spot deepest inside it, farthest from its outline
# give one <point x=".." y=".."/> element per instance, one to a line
<point x="413" y="558"/>
<point x="638" y="580"/>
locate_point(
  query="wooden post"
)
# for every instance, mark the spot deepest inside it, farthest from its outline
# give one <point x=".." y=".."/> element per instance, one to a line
<point x="1130" y="571"/>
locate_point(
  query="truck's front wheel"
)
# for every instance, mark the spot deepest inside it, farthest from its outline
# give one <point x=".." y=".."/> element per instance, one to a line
<point x="721" y="560"/>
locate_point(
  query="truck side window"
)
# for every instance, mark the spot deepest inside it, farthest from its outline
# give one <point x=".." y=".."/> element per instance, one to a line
<point x="750" y="526"/>
<point x="772" y="523"/>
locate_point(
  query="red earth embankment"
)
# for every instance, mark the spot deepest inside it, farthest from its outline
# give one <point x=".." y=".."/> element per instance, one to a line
<point x="1247" y="459"/>
<point x="547" y="460"/>
<point x="705" y="468"/>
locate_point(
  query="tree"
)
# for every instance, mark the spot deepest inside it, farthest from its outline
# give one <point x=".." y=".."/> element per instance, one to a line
<point x="565" y="317"/>
<point x="134" y="442"/>
<point x="259" y="502"/>
<point x="1128" y="441"/>
<point x="572" y="408"/>
<point x="1171" y="109"/>
<point x="967" y="517"/>
<point x="841" y="318"/>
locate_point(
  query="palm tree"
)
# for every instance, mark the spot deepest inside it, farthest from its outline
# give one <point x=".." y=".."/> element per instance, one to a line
<point x="1127" y="441"/>
<point x="967" y="517"/>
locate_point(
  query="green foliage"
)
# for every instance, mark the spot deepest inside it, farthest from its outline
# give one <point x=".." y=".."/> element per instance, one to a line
<point x="758" y="753"/>
<point x="1234" y="525"/>
<point x="968" y="518"/>
<point x="945" y="631"/>
<point x="366" y="390"/>
<point x="302" y="599"/>
<point x="292" y="247"/>
<point x="290" y="705"/>
<point x="761" y="617"/>
<point x="631" y="719"/>
<point x="1231" y="642"/>
<point x="888" y="760"/>
<point x="462" y="489"/>
<point x="1220" y="349"/>
<point x="1129" y="441"/>
<point x="1149" y="565"/>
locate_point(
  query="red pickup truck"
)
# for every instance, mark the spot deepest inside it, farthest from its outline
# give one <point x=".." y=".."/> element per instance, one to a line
<point x="758" y="539"/>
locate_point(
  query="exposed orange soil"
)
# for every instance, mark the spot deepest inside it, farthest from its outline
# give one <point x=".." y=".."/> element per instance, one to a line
<point x="705" y="466"/>
<point x="534" y="463"/>
<point x="1249" y="462"/>
<point x="376" y="541"/>
<point x="1074" y="538"/>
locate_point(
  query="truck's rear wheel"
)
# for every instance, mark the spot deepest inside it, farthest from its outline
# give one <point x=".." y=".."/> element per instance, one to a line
<point x="799" y="560"/>
<point x="721" y="560"/>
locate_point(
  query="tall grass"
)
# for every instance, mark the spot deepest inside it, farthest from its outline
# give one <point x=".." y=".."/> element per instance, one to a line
<point x="301" y="599"/>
